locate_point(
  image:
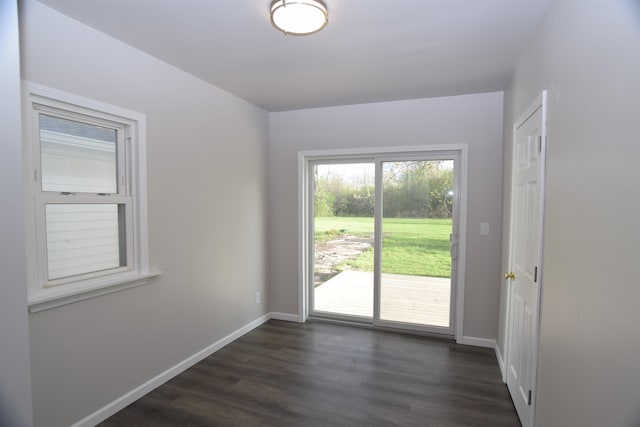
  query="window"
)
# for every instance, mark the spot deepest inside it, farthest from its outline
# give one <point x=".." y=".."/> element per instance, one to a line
<point x="85" y="166"/>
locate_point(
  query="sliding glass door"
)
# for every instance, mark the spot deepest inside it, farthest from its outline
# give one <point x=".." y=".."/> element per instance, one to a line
<point x="343" y="225"/>
<point x="384" y="240"/>
<point x="416" y="225"/>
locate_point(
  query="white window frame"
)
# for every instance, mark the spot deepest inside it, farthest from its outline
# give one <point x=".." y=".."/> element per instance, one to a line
<point x="131" y="175"/>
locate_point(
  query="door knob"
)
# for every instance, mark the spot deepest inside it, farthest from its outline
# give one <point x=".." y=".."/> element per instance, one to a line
<point x="510" y="275"/>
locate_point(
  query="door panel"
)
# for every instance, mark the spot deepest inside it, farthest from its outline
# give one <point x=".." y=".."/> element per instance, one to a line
<point x="343" y="224"/>
<point x="416" y="225"/>
<point x="525" y="264"/>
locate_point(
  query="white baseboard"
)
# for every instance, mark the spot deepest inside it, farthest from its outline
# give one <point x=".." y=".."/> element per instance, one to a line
<point x="488" y="343"/>
<point x="285" y="316"/>
<point x="501" y="364"/>
<point x="130" y="397"/>
<point x="478" y="342"/>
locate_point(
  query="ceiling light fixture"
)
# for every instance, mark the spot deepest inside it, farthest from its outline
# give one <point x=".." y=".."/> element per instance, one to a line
<point x="299" y="17"/>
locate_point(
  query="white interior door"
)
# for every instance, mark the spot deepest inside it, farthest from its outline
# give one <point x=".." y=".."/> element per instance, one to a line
<point x="525" y="256"/>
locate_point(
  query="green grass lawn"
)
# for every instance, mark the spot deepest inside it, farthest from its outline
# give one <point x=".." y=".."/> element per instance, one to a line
<point x="418" y="247"/>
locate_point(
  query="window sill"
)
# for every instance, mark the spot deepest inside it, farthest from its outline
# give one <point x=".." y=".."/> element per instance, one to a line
<point x="49" y="299"/>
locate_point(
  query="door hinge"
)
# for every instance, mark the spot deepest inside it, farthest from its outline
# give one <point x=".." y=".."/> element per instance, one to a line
<point x="535" y="274"/>
<point x="529" y="399"/>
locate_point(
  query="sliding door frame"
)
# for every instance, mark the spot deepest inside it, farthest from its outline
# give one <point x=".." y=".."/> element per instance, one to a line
<point x="309" y="261"/>
<point x="305" y="209"/>
<point x="455" y="156"/>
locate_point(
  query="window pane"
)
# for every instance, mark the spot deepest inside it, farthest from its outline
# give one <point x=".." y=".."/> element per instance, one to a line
<point x="77" y="157"/>
<point x="84" y="238"/>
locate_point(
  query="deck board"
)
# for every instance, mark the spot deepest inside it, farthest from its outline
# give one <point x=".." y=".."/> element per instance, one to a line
<point x="410" y="299"/>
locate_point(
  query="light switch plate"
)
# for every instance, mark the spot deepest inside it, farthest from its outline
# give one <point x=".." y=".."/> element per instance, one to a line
<point x="484" y="228"/>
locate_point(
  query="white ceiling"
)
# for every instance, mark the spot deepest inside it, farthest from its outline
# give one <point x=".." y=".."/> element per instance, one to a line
<point x="371" y="51"/>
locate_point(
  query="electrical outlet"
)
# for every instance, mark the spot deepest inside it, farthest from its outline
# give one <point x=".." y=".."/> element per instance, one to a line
<point x="257" y="297"/>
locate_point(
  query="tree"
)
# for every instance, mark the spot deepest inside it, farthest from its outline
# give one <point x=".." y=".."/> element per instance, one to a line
<point x="411" y="189"/>
<point x="418" y="189"/>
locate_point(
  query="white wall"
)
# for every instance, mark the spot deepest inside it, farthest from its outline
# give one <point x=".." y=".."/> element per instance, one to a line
<point x="472" y="119"/>
<point x="15" y="378"/>
<point x="207" y="177"/>
<point x="587" y="53"/>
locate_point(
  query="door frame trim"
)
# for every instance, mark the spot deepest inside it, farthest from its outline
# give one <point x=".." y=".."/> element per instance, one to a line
<point x="304" y="157"/>
<point x="540" y="103"/>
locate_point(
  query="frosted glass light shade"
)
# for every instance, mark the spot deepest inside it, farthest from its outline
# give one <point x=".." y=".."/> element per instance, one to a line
<point x="299" y="17"/>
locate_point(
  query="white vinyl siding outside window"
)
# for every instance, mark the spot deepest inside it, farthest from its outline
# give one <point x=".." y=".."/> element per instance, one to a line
<point x="87" y="197"/>
<point x="83" y="238"/>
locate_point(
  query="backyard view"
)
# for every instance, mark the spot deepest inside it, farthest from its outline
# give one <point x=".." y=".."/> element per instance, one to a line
<point x="416" y="224"/>
<point x="417" y="246"/>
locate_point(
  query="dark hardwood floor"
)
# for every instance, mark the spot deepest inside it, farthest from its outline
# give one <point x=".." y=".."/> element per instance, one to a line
<point x="320" y="374"/>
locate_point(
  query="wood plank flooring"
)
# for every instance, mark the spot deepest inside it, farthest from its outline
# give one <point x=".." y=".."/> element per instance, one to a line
<point x="320" y="374"/>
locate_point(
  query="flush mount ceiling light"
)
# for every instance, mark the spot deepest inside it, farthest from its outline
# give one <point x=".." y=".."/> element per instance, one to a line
<point x="299" y="17"/>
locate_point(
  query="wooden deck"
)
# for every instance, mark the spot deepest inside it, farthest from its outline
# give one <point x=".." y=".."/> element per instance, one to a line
<point x="409" y="299"/>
